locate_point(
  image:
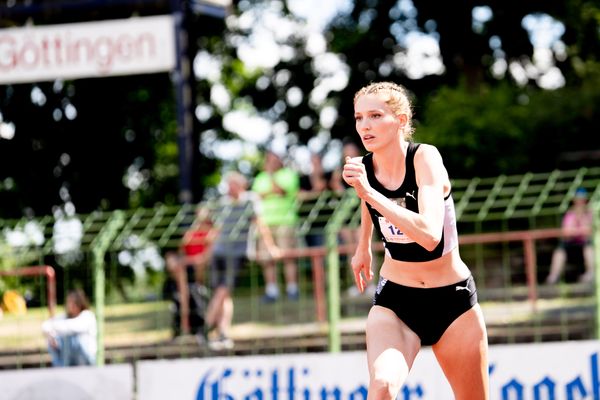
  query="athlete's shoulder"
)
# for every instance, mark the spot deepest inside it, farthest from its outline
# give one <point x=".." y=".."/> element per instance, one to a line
<point x="429" y="164"/>
<point x="427" y="152"/>
<point x="426" y="147"/>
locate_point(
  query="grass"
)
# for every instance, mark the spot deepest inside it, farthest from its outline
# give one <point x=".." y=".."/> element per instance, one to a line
<point x="149" y="323"/>
<point x="141" y="323"/>
<point x="125" y="324"/>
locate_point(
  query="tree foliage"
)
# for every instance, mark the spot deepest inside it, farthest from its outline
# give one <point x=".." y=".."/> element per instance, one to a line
<point x="484" y="123"/>
<point x="120" y="149"/>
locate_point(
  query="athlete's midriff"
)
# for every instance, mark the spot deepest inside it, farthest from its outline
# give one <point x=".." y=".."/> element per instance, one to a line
<point x="442" y="271"/>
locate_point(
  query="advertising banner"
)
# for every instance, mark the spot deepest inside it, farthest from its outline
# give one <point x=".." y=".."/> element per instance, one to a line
<point x="562" y="370"/>
<point x="549" y="371"/>
<point x="280" y="377"/>
<point x="91" y="49"/>
<point x="113" y="382"/>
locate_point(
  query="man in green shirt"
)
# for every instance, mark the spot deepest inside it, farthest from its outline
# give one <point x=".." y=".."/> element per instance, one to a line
<point x="278" y="186"/>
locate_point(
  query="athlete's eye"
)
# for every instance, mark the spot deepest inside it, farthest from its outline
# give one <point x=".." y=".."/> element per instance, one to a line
<point x="375" y="116"/>
<point x="357" y="118"/>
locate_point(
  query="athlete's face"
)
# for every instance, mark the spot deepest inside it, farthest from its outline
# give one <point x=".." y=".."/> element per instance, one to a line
<point x="376" y="122"/>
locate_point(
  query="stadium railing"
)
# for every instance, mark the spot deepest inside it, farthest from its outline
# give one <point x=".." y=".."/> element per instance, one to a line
<point x="508" y="226"/>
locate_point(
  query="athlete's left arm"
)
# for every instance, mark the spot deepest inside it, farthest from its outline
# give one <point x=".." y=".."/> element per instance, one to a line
<point x="432" y="178"/>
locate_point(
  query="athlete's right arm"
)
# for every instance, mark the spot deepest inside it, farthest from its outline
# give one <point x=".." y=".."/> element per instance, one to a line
<point x="361" y="262"/>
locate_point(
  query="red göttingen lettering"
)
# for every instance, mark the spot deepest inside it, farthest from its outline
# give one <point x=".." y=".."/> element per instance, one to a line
<point x="89" y="49"/>
<point x="67" y="50"/>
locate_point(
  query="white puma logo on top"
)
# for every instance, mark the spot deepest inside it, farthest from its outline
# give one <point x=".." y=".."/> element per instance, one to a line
<point x="411" y="195"/>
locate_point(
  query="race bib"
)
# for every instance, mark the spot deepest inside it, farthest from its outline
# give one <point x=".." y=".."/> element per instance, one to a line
<point x="391" y="233"/>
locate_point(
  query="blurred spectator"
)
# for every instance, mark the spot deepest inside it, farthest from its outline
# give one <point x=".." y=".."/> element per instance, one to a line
<point x="310" y="212"/>
<point x="72" y="337"/>
<point x="186" y="268"/>
<point x="278" y="187"/>
<point x="317" y="180"/>
<point x="239" y="210"/>
<point x="349" y="234"/>
<point x="579" y="216"/>
<point x="349" y="149"/>
<point x="312" y="186"/>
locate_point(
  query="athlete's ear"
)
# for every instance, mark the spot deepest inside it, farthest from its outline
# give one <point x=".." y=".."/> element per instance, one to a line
<point x="403" y="119"/>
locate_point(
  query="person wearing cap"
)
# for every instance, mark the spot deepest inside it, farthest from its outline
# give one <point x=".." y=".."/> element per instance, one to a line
<point x="579" y="217"/>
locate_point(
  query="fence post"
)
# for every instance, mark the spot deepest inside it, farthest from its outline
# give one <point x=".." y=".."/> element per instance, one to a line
<point x="342" y="212"/>
<point x="99" y="284"/>
<point x="333" y="290"/>
<point x="531" y="271"/>
<point x="99" y="247"/>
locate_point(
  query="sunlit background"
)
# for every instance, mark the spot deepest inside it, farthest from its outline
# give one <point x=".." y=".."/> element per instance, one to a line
<point x="100" y="170"/>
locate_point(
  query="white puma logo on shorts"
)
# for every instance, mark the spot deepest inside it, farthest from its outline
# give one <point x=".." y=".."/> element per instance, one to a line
<point x="463" y="288"/>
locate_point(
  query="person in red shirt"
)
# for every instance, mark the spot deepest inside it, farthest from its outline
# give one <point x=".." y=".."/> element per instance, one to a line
<point x="190" y="261"/>
<point x="195" y="240"/>
<point x="578" y="217"/>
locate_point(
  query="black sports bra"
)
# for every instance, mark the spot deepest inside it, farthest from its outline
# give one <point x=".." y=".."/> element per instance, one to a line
<point x="397" y="244"/>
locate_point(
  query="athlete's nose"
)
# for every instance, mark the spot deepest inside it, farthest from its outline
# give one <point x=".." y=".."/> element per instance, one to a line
<point x="364" y="125"/>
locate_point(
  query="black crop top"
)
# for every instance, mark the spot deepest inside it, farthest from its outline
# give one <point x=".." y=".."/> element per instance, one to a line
<point x="397" y="244"/>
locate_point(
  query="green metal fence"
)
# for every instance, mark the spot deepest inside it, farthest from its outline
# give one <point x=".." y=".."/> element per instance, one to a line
<point x="498" y="204"/>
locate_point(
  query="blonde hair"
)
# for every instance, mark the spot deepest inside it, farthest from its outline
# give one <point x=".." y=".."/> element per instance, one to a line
<point x="398" y="100"/>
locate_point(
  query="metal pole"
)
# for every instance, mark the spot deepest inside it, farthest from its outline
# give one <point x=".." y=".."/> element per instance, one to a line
<point x="531" y="271"/>
<point x="99" y="283"/>
<point x="343" y="211"/>
<point x="100" y="245"/>
<point x="333" y="290"/>
<point x="183" y="99"/>
<point x="318" y="275"/>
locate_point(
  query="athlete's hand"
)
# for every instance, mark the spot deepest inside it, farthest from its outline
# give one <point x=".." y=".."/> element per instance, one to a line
<point x="361" y="268"/>
<point x="355" y="175"/>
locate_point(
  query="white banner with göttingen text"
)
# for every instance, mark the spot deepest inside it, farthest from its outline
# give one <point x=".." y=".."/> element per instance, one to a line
<point x="543" y="371"/>
<point x="83" y="50"/>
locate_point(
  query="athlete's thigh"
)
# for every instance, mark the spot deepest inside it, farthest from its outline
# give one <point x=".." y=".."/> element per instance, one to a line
<point x="391" y="345"/>
<point x="462" y="352"/>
